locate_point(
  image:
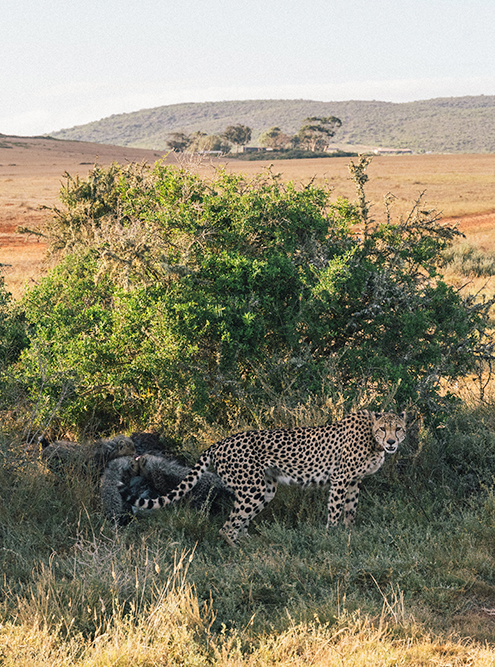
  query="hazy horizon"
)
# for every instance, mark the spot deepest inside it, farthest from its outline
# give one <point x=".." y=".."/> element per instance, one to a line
<point x="67" y="64"/>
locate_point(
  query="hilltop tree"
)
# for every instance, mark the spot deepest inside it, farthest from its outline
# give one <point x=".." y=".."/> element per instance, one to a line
<point x="315" y="133"/>
<point x="178" y="141"/>
<point x="200" y="141"/>
<point x="274" y="138"/>
<point x="237" y="134"/>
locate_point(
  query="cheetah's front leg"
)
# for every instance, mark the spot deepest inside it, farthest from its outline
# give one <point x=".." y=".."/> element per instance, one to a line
<point x="351" y="501"/>
<point x="338" y="492"/>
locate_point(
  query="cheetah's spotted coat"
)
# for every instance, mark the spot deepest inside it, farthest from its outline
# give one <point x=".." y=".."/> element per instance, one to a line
<point x="252" y="463"/>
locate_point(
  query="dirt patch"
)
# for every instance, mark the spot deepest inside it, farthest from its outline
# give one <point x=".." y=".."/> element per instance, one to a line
<point x="477" y="222"/>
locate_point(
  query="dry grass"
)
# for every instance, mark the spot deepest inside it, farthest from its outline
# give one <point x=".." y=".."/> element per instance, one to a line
<point x="456" y="185"/>
<point x="22" y="264"/>
<point x="31" y="172"/>
<point x="356" y="644"/>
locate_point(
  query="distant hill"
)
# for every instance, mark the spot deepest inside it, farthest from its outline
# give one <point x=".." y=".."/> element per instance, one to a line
<point x="441" y="125"/>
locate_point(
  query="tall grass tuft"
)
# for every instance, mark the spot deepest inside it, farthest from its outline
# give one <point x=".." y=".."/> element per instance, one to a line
<point x="466" y="259"/>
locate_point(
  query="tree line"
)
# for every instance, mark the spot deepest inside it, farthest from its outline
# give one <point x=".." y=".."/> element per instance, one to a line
<point x="312" y="136"/>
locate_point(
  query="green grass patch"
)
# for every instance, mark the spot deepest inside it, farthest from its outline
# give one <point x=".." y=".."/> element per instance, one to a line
<point x="416" y="572"/>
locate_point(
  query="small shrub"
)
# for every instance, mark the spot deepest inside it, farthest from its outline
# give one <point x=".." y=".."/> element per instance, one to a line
<point x="467" y="260"/>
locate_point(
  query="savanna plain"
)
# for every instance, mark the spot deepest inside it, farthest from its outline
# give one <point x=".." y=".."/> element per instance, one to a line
<point x="412" y="583"/>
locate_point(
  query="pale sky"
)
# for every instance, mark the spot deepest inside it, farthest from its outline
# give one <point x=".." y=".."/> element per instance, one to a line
<point x="65" y="63"/>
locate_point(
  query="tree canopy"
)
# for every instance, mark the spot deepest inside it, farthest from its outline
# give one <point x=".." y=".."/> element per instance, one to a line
<point x="238" y="134"/>
<point x="317" y="131"/>
<point x="178" y="141"/>
<point x="275" y="138"/>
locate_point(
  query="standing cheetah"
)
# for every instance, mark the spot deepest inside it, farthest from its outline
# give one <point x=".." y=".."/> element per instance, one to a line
<point x="252" y="463"/>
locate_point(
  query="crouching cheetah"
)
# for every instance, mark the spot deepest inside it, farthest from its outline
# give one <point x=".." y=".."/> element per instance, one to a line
<point x="252" y="463"/>
<point x="65" y="455"/>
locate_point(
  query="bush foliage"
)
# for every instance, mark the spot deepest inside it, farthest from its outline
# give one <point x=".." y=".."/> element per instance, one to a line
<point x="177" y="298"/>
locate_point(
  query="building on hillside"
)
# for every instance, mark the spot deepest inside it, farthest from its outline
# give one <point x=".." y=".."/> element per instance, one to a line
<point x="251" y="149"/>
<point x="392" y="151"/>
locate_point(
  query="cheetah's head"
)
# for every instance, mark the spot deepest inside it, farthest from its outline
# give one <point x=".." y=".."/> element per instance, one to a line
<point x="123" y="446"/>
<point x="146" y="463"/>
<point x="389" y="430"/>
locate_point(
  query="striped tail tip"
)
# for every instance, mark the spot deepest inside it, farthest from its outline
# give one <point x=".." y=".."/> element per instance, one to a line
<point x="150" y="503"/>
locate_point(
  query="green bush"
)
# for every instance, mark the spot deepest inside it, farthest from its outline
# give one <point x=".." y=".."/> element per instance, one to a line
<point x="291" y="154"/>
<point x="12" y="340"/>
<point x="179" y="298"/>
<point x="12" y="334"/>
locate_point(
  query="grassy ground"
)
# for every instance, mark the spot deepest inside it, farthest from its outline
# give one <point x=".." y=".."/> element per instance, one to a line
<point x="412" y="583"/>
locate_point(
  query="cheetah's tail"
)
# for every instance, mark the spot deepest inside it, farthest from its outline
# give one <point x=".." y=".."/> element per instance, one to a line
<point x="184" y="487"/>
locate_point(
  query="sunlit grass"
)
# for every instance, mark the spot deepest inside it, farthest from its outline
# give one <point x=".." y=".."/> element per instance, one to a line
<point x="23" y="264"/>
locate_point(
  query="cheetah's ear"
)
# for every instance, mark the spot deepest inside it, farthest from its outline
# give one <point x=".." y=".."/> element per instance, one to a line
<point x="403" y="415"/>
<point x="377" y="415"/>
